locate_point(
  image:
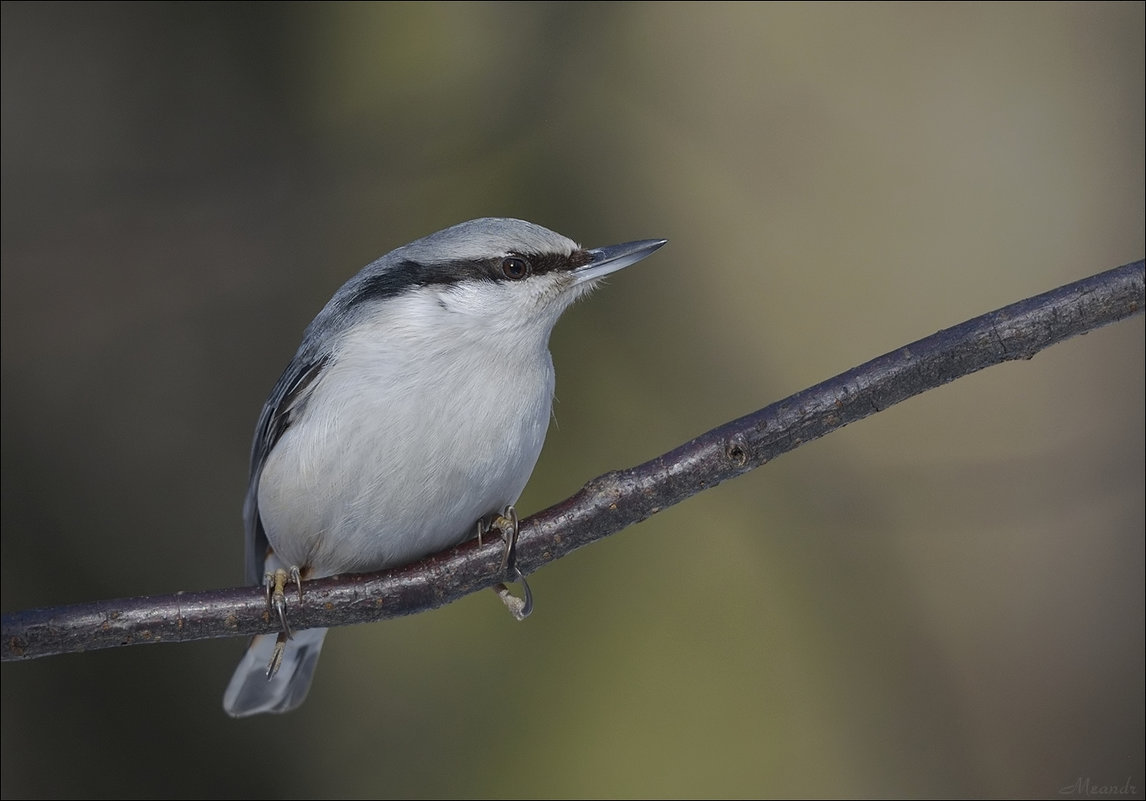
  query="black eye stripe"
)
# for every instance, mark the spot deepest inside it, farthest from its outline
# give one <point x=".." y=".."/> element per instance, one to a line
<point x="535" y="264"/>
<point x="407" y="275"/>
<point x="547" y="262"/>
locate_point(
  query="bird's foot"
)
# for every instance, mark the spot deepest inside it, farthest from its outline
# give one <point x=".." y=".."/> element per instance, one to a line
<point x="276" y="593"/>
<point x="507" y="524"/>
<point x="520" y="608"/>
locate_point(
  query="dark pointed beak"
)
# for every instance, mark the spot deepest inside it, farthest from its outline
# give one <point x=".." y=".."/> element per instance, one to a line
<point x="615" y="257"/>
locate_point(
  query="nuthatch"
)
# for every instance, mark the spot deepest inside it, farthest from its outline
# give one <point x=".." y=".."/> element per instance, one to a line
<point x="409" y="419"/>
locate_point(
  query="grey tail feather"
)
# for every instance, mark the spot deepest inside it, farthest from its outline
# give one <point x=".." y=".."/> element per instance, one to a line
<point x="251" y="692"/>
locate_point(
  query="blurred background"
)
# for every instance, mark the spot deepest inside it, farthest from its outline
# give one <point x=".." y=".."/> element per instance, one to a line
<point x="943" y="600"/>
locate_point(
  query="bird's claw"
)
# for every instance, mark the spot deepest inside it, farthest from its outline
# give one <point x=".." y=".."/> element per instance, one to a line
<point x="276" y="598"/>
<point x="520" y="608"/>
<point x="277" y="654"/>
<point x="507" y="524"/>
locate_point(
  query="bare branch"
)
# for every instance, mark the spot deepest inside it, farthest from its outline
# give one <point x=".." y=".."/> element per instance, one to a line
<point x="608" y="503"/>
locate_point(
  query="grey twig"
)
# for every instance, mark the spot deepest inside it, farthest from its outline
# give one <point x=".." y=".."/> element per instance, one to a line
<point x="606" y="504"/>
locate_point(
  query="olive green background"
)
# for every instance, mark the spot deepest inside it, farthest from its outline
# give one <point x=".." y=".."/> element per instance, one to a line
<point x="945" y="599"/>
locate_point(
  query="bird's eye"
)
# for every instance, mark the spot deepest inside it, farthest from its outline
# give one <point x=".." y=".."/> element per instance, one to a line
<point x="515" y="268"/>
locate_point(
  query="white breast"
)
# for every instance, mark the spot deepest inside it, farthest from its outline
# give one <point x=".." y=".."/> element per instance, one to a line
<point x="412" y="433"/>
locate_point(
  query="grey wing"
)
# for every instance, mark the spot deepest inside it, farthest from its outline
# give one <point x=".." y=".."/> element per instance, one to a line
<point x="287" y="400"/>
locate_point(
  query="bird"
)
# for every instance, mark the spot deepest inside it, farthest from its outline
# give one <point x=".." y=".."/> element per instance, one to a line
<point x="408" y="421"/>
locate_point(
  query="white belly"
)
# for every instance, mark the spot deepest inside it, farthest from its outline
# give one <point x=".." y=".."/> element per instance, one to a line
<point x="393" y="459"/>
